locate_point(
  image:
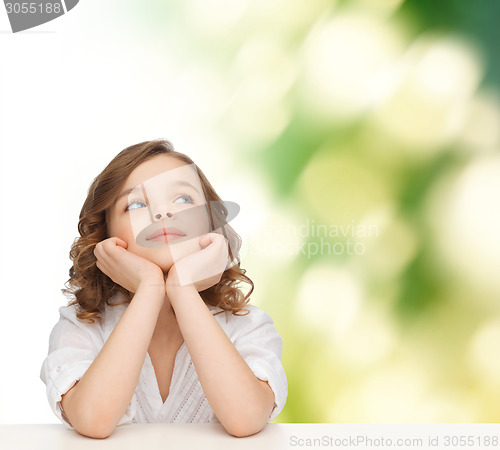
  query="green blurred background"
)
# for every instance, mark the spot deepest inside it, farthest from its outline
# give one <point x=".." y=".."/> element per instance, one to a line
<point x="365" y="136"/>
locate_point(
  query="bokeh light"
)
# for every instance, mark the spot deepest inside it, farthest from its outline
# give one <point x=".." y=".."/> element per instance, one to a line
<point x="361" y="140"/>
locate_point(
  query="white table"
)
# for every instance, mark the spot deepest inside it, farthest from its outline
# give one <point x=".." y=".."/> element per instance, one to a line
<point x="275" y="436"/>
<point x="139" y="437"/>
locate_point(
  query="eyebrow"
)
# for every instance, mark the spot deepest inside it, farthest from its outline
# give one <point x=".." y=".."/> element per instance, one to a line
<point x="126" y="192"/>
<point x="137" y="188"/>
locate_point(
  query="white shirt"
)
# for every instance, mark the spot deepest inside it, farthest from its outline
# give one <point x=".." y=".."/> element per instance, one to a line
<point x="73" y="346"/>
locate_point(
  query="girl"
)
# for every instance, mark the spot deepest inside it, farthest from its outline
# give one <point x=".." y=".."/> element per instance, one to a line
<point x="158" y="329"/>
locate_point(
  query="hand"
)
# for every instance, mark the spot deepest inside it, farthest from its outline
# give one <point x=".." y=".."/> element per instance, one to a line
<point x="123" y="267"/>
<point x="203" y="268"/>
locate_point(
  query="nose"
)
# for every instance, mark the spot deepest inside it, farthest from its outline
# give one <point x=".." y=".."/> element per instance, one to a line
<point x="159" y="216"/>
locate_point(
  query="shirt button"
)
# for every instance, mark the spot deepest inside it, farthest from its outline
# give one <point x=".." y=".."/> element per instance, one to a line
<point x="59" y="368"/>
<point x="161" y="417"/>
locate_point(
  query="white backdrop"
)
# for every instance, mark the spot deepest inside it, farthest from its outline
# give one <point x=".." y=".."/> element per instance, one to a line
<point x="74" y="92"/>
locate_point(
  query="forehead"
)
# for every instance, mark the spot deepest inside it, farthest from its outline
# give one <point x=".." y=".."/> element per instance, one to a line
<point x="161" y="169"/>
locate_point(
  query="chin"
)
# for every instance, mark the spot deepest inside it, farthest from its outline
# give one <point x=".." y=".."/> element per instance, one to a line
<point x="162" y="257"/>
<point x="165" y="267"/>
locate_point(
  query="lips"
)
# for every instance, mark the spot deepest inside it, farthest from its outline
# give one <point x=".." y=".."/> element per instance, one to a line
<point x="174" y="232"/>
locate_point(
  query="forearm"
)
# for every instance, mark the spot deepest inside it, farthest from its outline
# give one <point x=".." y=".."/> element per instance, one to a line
<point x="97" y="403"/>
<point x="233" y="391"/>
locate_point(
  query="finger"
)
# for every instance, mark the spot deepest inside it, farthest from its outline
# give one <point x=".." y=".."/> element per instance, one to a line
<point x="222" y="245"/>
<point x="103" y="260"/>
<point x="110" y="245"/>
<point x="116" y="253"/>
<point x="101" y="254"/>
<point x="206" y="240"/>
<point x="119" y="242"/>
<point x="102" y="267"/>
<point x="209" y="238"/>
<point x="98" y="250"/>
<point x="105" y="269"/>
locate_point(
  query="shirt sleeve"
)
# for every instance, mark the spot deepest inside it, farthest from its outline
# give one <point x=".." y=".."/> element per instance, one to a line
<point x="261" y="346"/>
<point x="72" y="349"/>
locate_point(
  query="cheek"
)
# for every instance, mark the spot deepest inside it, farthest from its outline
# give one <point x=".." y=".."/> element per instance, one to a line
<point x="138" y="220"/>
<point x="128" y="226"/>
<point x="123" y="232"/>
<point x="195" y="222"/>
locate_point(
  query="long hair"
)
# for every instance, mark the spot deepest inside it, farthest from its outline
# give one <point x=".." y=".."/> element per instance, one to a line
<point x="90" y="289"/>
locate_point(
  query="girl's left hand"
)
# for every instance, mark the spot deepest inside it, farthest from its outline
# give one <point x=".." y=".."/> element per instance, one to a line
<point x="203" y="268"/>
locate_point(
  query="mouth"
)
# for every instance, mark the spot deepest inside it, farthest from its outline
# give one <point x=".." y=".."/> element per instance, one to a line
<point x="163" y="234"/>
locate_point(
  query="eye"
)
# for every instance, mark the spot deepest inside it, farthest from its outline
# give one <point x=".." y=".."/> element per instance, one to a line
<point x="136" y="204"/>
<point x="184" y="199"/>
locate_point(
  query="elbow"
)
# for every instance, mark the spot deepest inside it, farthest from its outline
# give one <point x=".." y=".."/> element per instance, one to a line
<point x="244" y="425"/>
<point x="249" y="421"/>
<point x="244" y="430"/>
<point x="87" y="418"/>
<point x="96" y="427"/>
<point x="93" y="434"/>
<point x="94" y="431"/>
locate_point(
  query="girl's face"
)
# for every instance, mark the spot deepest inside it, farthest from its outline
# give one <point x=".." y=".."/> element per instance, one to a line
<point x="161" y="211"/>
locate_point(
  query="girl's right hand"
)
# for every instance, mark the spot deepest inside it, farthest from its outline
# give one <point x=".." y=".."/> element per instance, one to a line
<point x="125" y="268"/>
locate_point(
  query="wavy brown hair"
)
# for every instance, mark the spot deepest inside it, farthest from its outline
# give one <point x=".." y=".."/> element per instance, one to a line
<point x="90" y="289"/>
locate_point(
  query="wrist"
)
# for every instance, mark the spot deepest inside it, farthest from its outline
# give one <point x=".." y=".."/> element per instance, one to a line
<point x="152" y="285"/>
<point x="174" y="288"/>
<point x="173" y="285"/>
